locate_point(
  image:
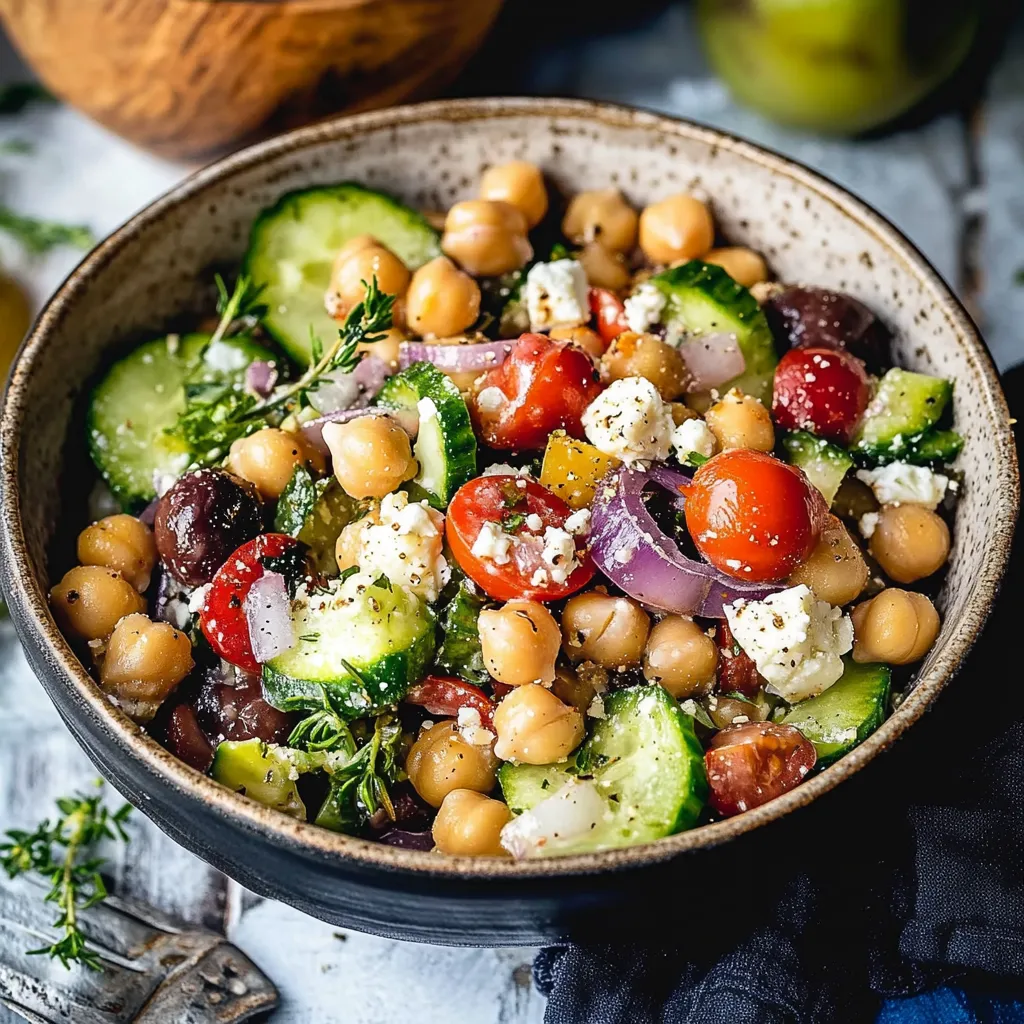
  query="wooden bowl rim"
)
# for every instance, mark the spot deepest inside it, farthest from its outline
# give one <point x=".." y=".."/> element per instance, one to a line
<point x="36" y="625"/>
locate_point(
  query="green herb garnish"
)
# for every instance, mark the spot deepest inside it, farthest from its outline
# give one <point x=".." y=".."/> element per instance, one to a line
<point x="324" y="730"/>
<point x="40" y="236"/>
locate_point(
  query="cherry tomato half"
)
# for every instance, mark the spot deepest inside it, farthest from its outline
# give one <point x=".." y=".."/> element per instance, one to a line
<point x="222" y="617"/>
<point x="546" y="386"/>
<point x="609" y="313"/>
<point x="752" y="516"/>
<point x="821" y="390"/>
<point x="748" y="765"/>
<point x="509" y="500"/>
<point x="445" y="695"/>
<point x="737" y="672"/>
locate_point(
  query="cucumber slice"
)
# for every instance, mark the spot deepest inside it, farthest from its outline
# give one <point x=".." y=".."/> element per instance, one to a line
<point x="445" y="445"/>
<point x="362" y="640"/>
<point x="906" y="405"/>
<point x="644" y="758"/>
<point x="933" y="448"/>
<point x="846" y="713"/>
<point x="460" y="653"/>
<point x="142" y="395"/>
<point x="823" y="463"/>
<point x="315" y="511"/>
<point x="259" y="771"/>
<point x="704" y="299"/>
<point x="293" y="245"/>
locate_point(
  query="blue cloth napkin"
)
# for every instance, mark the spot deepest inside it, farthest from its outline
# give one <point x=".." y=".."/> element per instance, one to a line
<point x="897" y="898"/>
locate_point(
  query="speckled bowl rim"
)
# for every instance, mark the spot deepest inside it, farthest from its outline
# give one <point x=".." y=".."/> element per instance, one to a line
<point x="36" y="625"/>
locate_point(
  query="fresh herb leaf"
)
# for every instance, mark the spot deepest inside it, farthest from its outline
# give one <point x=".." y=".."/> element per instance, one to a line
<point x="240" y="309"/>
<point x="296" y="503"/>
<point x="316" y="346"/>
<point x="384" y="583"/>
<point x="512" y="521"/>
<point x="460" y="653"/>
<point x="695" y="459"/>
<point x="560" y="251"/>
<point x="345" y="573"/>
<point x="75" y="881"/>
<point x="324" y="730"/>
<point x="697" y="712"/>
<point x="15" y="97"/>
<point x="17" y="147"/>
<point x="40" y="236"/>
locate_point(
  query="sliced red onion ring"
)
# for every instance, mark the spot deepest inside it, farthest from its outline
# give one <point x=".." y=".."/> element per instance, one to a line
<point x="313" y="431"/>
<point x="712" y="359"/>
<point x="260" y="377"/>
<point x="469" y="358"/>
<point x="268" y="615"/>
<point x="629" y="547"/>
<point x="353" y="390"/>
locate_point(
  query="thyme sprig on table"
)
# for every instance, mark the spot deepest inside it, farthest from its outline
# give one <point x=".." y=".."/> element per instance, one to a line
<point x="40" y="236"/>
<point x="62" y="852"/>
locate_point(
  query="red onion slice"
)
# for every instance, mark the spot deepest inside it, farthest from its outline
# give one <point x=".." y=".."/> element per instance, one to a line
<point x="712" y="359"/>
<point x="469" y="358"/>
<point x="353" y="390"/>
<point x="268" y="615"/>
<point x="260" y="377"/>
<point x="313" y="431"/>
<point x="629" y="547"/>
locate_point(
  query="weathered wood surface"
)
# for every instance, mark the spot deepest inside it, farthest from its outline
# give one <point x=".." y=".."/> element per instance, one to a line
<point x="956" y="188"/>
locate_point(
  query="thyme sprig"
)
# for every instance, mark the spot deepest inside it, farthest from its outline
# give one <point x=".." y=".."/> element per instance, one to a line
<point x="61" y="851"/>
<point x="40" y="236"/>
<point x="323" y="731"/>
<point x="240" y="309"/>
<point x="359" y="788"/>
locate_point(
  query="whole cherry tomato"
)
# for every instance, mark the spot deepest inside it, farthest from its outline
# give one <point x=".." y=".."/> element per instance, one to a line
<point x="445" y="695"/>
<point x="609" y="313"/>
<point x="222" y="617"/>
<point x="752" y="516"/>
<point x="737" y="672"/>
<point x="821" y="390"/>
<point x="521" y="571"/>
<point x="748" y="765"/>
<point x="544" y="386"/>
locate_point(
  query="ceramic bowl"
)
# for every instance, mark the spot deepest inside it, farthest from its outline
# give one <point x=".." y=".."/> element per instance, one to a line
<point x="158" y="266"/>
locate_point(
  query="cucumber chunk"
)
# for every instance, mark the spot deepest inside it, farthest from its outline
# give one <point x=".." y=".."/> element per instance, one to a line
<point x="362" y="640"/>
<point x="142" y="395"/>
<point x="259" y="771"/>
<point x="445" y="445"/>
<point x="293" y="245"/>
<point x="846" y="713"/>
<point x="704" y="299"/>
<point x="823" y="463"/>
<point x="906" y="405"/>
<point x="646" y="762"/>
<point x="315" y="511"/>
<point x="932" y="448"/>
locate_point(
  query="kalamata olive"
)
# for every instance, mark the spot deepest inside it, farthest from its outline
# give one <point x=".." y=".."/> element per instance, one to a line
<point x="201" y="520"/>
<point x="187" y="741"/>
<point x="230" y="706"/>
<point x="736" y="671"/>
<point x="748" y="765"/>
<point x="819" y="318"/>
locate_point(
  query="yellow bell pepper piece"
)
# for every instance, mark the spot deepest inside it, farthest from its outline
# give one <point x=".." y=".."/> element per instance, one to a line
<point x="572" y="469"/>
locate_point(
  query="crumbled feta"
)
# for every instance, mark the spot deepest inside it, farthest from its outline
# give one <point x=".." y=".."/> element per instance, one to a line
<point x="899" y="483"/>
<point x="630" y="421"/>
<point x="490" y="399"/>
<point x="493" y="543"/>
<point x="644" y="307"/>
<point x="426" y="408"/>
<point x="557" y="295"/>
<point x="559" y="553"/>
<point x="693" y="436"/>
<point x="796" y="641"/>
<point x="534" y="522"/>
<point x="504" y="469"/>
<point x="570" y="812"/>
<point x="472" y="730"/>
<point x="867" y="524"/>
<point x="225" y="358"/>
<point x="596" y="707"/>
<point x="197" y="598"/>
<point x="539" y="578"/>
<point x="578" y="523"/>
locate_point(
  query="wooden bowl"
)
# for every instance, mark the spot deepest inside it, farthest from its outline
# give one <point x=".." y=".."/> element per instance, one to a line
<point x="191" y="78"/>
<point x="157" y="267"/>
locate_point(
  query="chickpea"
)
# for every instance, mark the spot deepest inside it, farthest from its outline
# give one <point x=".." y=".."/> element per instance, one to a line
<point x="469" y="824"/>
<point x="644" y="355"/>
<point x="741" y="421"/>
<point x="897" y="627"/>
<point x="442" y="300"/>
<point x="144" y="662"/>
<point x="486" y="238"/>
<point x="677" y="228"/>
<point x="520" y="643"/>
<point x="90" y="599"/>
<point x="388" y="348"/>
<point x="576" y="690"/>
<point x="604" y="267"/>
<point x="372" y="455"/>
<point x="520" y="184"/>
<point x="681" y="413"/>
<point x="744" y="266"/>
<point x="835" y="570"/>
<point x="441" y="761"/>
<point x="361" y="259"/>
<point x="123" y="543"/>
<point x="604" y="216"/>
<point x="609" y="631"/>
<point x="267" y="459"/>
<point x="681" y="657"/>
<point x="582" y="337"/>
<point x="535" y="727"/>
<point x="910" y="542"/>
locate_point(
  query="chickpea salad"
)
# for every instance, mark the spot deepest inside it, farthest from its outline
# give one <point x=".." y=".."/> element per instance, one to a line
<point x="545" y="525"/>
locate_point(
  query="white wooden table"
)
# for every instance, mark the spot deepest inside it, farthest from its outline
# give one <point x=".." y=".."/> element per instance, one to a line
<point x="955" y="186"/>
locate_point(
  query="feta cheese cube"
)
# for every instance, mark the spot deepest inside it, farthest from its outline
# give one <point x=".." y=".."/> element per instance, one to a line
<point x="559" y="553"/>
<point x="490" y="399"/>
<point x="579" y="522"/>
<point x="900" y="483"/>
<point x="693" y="436"/>
<point x="630" y="421"/>
<point x="644" y="307"/>
<point x="796" y="641"/>
<point x="471" y="728"/>
<point x="493" y="543"/>
<point x="534" y="522"/>
<point x="867" y="524"/>
<point x="557" y="295"/>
